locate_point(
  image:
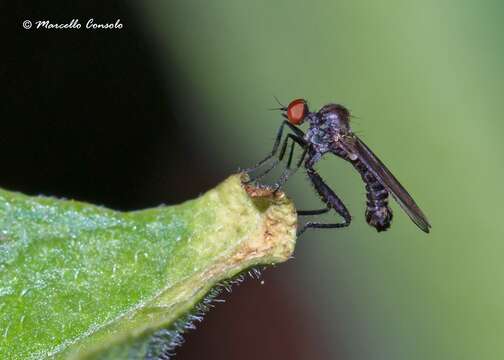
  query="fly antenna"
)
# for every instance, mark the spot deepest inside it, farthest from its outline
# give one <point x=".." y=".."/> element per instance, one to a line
<point x="282" y="106"/>
<point x="278" y="101"/>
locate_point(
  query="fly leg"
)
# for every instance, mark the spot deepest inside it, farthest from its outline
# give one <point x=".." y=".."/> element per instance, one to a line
<point x="288" y="170"/>
<point x="277" y="160"/>
<point x="313" y="212"/>
<point x="274" y="151"/>
<point x="328" y="196"/>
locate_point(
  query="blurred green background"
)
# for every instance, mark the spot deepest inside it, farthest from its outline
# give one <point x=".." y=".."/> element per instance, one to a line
<point x="171" y="104"/>
<point x="425" y="80"/>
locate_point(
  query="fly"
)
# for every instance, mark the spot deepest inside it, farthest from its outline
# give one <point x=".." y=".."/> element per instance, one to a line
<point x="329" y="132"/>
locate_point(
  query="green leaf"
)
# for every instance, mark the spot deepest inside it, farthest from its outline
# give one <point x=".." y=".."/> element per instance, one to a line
<point x="82" y="281"/>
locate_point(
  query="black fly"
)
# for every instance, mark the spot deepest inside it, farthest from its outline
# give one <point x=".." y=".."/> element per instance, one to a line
<point x="329" y="132"/>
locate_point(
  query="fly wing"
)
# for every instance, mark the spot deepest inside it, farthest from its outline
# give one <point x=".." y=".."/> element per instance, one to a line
<point x="356" y="148"/>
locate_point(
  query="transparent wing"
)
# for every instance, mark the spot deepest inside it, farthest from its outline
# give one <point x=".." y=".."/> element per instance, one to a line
<point x="355" y="147"/>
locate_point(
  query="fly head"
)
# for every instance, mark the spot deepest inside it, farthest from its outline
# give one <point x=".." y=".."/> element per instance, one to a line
<point x="296" y="112"/>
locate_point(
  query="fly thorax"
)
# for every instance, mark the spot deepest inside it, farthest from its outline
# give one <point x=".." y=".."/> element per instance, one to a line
<point x="318" y="136"/>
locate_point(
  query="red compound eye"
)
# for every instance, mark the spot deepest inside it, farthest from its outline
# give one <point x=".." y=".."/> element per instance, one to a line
<point x="296" y="111"/>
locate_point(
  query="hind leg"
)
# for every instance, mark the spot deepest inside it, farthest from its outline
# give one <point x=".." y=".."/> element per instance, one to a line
<point x="328" y="196"/>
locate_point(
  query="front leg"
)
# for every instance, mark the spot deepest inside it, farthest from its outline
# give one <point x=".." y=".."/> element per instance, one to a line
<point x="288" y="171"/>
<point x="281" y="156"/>
<point x="276" y="144"/>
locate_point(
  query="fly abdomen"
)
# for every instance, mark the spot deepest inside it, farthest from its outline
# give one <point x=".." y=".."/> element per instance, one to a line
<point x="378" y="213"/>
